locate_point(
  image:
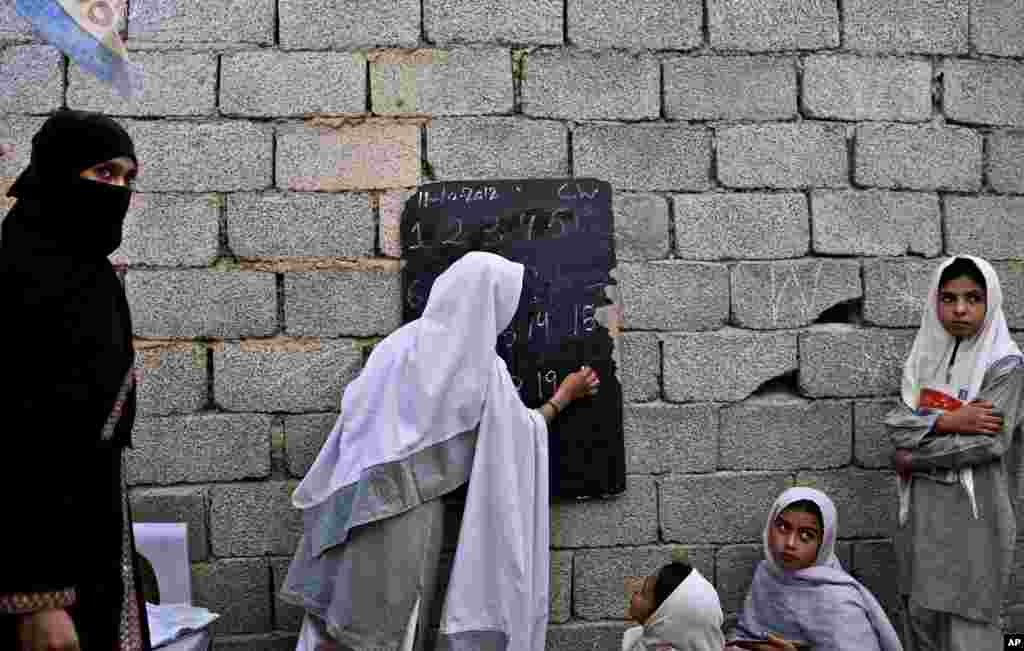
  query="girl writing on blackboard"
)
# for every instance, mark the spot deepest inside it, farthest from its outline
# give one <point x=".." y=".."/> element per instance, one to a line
<point x="434" y="407"/>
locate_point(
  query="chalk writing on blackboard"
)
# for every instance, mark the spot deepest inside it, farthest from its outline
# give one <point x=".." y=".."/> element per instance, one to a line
<point x="560" y="230"/>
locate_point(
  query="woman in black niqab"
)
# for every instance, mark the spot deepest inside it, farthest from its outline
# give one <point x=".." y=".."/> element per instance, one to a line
<point x="69" y="399"/>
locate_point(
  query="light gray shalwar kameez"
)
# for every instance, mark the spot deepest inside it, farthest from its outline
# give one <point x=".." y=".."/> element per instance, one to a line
<point x="949" y="561"/>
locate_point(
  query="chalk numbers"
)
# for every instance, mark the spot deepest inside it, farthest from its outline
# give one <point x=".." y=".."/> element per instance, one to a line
<point x="547" y="383"/>
<point x="454" y="239"/>
<point x="417" y="230"/>
<point x="583" y="318"/>
<point x="508" y="338"/>
<point x="588" y="321"/>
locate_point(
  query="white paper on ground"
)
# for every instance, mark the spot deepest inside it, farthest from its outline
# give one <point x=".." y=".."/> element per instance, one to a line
<point x="168" y="622"/>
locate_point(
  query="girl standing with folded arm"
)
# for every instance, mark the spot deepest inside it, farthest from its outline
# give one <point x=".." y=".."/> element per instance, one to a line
<point x="956" y="462"/>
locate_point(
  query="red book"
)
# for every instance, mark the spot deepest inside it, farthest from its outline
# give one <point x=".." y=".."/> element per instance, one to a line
<point x="934" y="398"/>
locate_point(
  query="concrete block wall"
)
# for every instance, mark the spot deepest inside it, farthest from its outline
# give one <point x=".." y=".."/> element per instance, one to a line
<point x="787" y="173"/>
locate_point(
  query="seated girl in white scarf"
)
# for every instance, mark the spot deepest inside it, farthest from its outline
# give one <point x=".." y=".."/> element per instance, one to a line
<point x="678" y="610"/>
<point x="801" y="592"/>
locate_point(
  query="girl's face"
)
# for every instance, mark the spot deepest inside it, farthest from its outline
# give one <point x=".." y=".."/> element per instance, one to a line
<point x="116" y="171"/>
<point x="794" y="539"/>
<point x="641" y="605"/>
<point x="962" y="306"/>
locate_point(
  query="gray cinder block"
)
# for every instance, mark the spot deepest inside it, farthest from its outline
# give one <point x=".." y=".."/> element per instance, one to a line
<point x="730" y="88"/>
<point x="179" y="230"/>
<point x="925" y="26"/>
<point x="197" y="21"/>
<point x="494" y="148"/>
<point x="984" y="92"/>
<point x="724" y="507"/>
<point x="789" y="294"/>
<point x="175" y="504"/>
<point x="1006" y="161"/>
<point x="987" y="226"/>
<point x="735" y="566"/>
<point x="876" y="222"/>
<point x="300" y="224"/>
<point x="173" y="83"/>
<point x="841" y="360"/>
<point x="726" y="365"/>
<point x="13" y="27"/>
<point x="178" y="156"/>
<point x="847" y="87"/>
<point x="786" y="434"/>
<point x="918" y="157"/>
<point x="274" y="84"/>
<point x="997" y="27"/>
<point x="638" y="359"/>
<point x="589" y="635"/>
<point x="872" y="447"/>
<point x="635" y="24"/>
<point x="591" y="86"/>
<point x="199" y="448"/>
<point x="342" y="303"/>
<point x="239" y="590"/>
<point x="895" y="291"/>
<point x="459" y="81"/>
<point x="289" y="381"/>
<point x="202" y="303"/>
<point x="865" y="499"/>
<point x="630" y="518"/>
<point x="344" y="24"/>
<point x="371" y="155"/>
<point x="528" y="21"/>
<point x="254" y="519"/>
<point x="644" y="157"/>
<point x="745" y="225"/>
<point x="561" y="587"/>
<point x="33" y="79"/>
<point x="304" y="436"/>
<point x="791" y="155"/>
<point x="286" y="616"/>
<point x="641" y="227"/>
<point x="171" y="381"/>
<point x="266" y="642"/>
<point x="674" y="295"/>
<point x="762" y="25"/>
<point x="664" y="438"/>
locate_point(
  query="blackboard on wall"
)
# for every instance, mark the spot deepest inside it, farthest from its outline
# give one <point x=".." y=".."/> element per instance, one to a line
<point x="561" y="230"/>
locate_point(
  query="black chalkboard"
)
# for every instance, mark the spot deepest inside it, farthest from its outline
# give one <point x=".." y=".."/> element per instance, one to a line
<point x="562" y="231"/>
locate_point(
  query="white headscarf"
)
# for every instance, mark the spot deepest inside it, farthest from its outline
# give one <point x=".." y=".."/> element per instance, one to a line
<point x="690" y="619"/>
<point x="424" y="383"/>
<point x="428" y="382"/>
<point x="779" y="598"/>
<point x="929" y="359"/>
